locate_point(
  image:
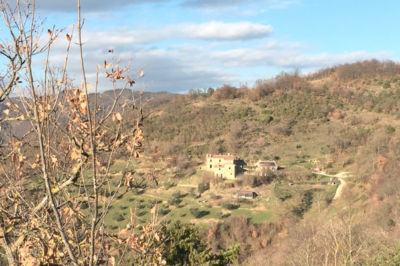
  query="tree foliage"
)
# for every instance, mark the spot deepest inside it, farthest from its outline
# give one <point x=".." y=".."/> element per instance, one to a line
<point x="57" y="151"/>
<point x="183" y="246"/>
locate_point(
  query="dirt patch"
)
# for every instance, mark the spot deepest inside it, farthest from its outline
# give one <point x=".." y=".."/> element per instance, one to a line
<point x="204" y="221"/>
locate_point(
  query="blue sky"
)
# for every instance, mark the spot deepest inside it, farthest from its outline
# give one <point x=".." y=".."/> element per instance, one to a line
<point x="184" y="44"/>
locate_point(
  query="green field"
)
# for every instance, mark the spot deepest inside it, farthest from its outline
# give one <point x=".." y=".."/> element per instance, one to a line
<point x="178" y="199"/>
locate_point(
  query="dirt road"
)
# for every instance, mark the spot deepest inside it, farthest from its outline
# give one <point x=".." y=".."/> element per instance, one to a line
<point x="341" y="176"/>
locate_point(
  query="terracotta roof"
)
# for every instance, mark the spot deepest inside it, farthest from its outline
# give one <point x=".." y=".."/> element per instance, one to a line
<point x="225" y="157"/>
<point x="244" y="192"/>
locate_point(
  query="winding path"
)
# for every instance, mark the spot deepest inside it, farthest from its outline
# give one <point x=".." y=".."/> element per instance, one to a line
<point x="341" y="176"/>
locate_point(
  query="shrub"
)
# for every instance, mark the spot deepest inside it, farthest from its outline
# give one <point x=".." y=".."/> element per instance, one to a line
<point x="84" y="205"/>
<point x="175" y="198"/>
<point x="184" y="246"/>
<point x="230" y="206"/>
<point x="141" y="213"/>
<point x="225" y="92"/>
<point x="141" y="206"/>
<point x="305" y="204"/>
<point x="282" y="193"/>
<point x="215" y="197"/>
<point x="137" y="191"/>
<point x="386" y="84"/>
<point x="268" y="119"/>
<point x="224" y="215"/>
<point x="197" y="213"/>
<point x="168" y="184"/>
<point x="164" y="210"/>
<point x="389" y="129"/>
<point x="118" y="217"/>
<point x="390" y="256"/>
<point x="203" y="186"/>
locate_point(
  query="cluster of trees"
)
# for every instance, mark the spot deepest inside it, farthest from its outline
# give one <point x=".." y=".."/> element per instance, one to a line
<point x="368" y="69"/>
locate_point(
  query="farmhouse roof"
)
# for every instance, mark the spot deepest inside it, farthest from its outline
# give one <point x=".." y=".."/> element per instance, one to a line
<point x="225" y="157"/>
<point x="245" y="192"/>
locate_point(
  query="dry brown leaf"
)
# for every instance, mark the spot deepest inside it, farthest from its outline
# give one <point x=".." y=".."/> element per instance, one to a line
<point x="75" y="154"/>
<point x="118" y="116"/>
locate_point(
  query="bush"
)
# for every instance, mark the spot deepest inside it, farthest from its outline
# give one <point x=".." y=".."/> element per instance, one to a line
<point x="305" y="204"/>
<point x="137" y="191"/>
<point x="389" y="129"/>
<point x="386" y="84"/>
<point x="390" y="256"/>
<point x="184" y="246"/>
<point x="268" y="119"/>
<point x="120" y="196"/>
<point x="198" y="213"/>
<point x="168" y="184"/>
<point x="230" y="206"/>
<point x="225" y="92"/>
<point x="223" y="215"/>
<point x="164" y="210"/>
<point x="141" y="213"/>
<point x="175" y="198"/>
<point x="203" y="186"/>
<point x="141" y="206"/>
<point x="282" y="193"/>
<point x="215" y="197"/>
<point x="84" y="205"/>
<point x="118" y="217"/>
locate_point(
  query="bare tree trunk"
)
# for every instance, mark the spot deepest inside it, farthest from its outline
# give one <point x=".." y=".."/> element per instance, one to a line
<point x="92" y="143"/>
<point x="41" y="146"/>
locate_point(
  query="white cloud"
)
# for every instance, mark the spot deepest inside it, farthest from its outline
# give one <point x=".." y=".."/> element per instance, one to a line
<point x="216" y="31"/>
<point x="175" y="69"/>
<point x="181" y="67"/>
<point x="211" y="3"/>
<point x="288" y="56"/>
<point x="218" y="4"/>
<point x="226" y="31"/>
<point x="325" y="59"/>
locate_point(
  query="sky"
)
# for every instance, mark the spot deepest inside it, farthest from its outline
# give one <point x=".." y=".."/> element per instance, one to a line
<point x="197" y="44"/>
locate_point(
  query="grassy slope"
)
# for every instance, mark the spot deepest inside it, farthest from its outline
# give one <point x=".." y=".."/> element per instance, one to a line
<point x="190" y="128"/>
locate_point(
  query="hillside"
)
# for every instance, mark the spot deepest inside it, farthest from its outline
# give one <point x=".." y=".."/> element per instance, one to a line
<point x="334" y="134"/>
<point x="346" y="125"/>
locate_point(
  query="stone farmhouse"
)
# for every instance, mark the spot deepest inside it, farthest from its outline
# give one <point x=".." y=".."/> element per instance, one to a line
<point x="263" y="167"/>
<point x="228" y="166"/>
<point x="225" y="166"/>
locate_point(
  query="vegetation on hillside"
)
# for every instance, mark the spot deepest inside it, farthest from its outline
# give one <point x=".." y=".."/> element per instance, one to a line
<point x="86" y="180"/>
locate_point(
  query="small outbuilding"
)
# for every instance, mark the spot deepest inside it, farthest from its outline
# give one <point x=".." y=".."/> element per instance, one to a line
<point x="263" y="167"/>
<point x="246" y="194"/>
